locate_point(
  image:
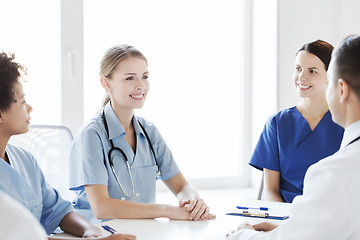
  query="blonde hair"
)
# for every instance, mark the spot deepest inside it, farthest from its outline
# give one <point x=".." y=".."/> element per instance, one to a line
<point x="112" y="57"/>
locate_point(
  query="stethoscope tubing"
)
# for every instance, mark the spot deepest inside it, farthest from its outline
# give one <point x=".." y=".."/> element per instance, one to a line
<point x="134" y="195"/>
<point x="113" y="148"/>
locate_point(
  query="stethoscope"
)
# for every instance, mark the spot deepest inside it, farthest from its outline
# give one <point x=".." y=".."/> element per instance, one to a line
<point x="113" y="148"/>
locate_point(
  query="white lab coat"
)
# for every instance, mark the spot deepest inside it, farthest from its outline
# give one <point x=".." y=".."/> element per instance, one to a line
<point x="329" y="207"/>
<point x="16" y="222"/>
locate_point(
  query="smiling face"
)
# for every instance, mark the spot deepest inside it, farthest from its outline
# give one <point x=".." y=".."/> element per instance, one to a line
<point x="309" y="75"/>
<point x="16" y="119"/>
<point x="129" y="85"/>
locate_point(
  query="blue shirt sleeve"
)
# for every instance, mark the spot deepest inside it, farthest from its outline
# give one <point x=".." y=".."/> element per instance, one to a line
<point x="165" y="159"/>
<point x="266" y="153"/>
<point x="54" y="207"/>
<point x="25" y="182"/>
<point x="87" y="160"/>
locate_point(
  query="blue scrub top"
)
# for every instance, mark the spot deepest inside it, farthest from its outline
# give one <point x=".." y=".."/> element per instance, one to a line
<point x="89" y="163"/>
<point x="24" y="181"/>
<point x="289" y="146"/>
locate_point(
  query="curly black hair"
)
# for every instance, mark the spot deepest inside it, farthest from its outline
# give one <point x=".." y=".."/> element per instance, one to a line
<point x="10" y="72"/>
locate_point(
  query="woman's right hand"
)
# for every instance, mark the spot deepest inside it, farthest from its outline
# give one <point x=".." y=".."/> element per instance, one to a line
<point x="197" y="208"/>
<point x="181" y="213"/>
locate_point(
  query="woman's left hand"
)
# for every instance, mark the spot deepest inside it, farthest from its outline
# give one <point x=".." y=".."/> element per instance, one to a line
<point x="118" y="236"/>
<point x="95" y="233"/>
<point x="197" y="208"/>
<point x="92" y="232"/>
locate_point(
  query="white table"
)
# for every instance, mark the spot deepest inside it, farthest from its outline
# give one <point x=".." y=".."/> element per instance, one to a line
<point x="165" y="229"/>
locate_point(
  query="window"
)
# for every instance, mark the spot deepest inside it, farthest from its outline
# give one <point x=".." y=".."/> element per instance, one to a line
<point x="195" y="54"/>
<point x="34" y="36"/>
<point x="199" y="95"/>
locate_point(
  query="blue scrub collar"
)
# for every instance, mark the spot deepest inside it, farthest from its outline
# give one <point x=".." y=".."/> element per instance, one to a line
<point x="114" y="125"/>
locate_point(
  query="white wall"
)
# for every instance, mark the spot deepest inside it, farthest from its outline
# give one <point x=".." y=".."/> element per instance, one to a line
<point x="264" y="67"/>
<point x="263" y="71"/>
<point x="304" y="21"/>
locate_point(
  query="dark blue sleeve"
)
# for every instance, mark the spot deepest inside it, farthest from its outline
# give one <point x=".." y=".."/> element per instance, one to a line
<point x="266" y="153"/>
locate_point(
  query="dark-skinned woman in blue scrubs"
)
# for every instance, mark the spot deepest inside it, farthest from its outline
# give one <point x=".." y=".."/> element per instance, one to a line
<point x="20" y="175"/>
<point x="297" y="137"/>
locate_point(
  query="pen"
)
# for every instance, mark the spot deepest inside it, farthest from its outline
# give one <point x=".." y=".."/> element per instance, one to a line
<point x="259" y="216"/>
<point x="109" y="229"/>
<point x="260" y="208"/>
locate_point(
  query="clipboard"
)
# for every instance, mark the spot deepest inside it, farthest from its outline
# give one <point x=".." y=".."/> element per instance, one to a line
<point x="258" y="215"/>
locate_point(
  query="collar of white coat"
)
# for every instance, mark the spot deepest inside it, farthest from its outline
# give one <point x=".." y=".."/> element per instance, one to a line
<point x="351" y="132"/>
<point x="114" y="125"/>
